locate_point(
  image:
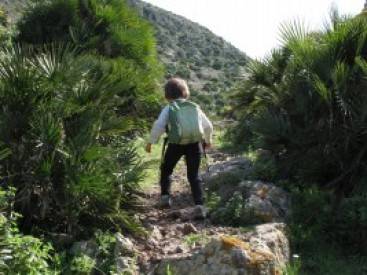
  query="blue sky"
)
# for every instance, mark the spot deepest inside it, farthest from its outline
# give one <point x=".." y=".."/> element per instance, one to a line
<point x="253" y="25"/>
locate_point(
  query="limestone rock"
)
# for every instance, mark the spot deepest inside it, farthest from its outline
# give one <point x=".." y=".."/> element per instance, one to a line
<point x="125" y="255"/>
<point x="269" y="202"/>
<point x="126" y="265"/>
<point x="189" y="228"/>
<point x="264" y="201"/>
<point x="89" y="248"/>
<point x="262" y="251"/>
<point x="124" y="246"/>
<point x="180" y="249"/>
<point x="236" y="165"/>
<point x="156" y="233"/>
<point x="187" y="214"/>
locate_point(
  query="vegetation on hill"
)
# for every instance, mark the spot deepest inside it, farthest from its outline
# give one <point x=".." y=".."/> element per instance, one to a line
<point x="13" y="8"/>
<point x="211" y="65"/>
<point x="104" y="29"/>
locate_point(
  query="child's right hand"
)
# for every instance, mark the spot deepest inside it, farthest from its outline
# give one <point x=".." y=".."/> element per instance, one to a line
<point x="148" y="148"/>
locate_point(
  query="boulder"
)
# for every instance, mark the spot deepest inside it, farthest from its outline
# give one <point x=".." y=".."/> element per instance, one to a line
<point x="126" y="265"/>
<point x="263" y="201"/>
<point x="189" y="228"/>
<point x="125" y="255"/>
<point x="236" y="166"/>
<point x="89" y="248"/>
<point x="268" y="202"/>
<point x="265" y="250"/>
<point x="124" y="246"/>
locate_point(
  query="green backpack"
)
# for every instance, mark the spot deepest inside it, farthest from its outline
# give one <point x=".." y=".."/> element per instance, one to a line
<point x="184" y="125"/>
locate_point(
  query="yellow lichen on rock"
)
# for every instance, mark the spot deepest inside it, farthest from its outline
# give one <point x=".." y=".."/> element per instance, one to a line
<point x="232" y="242"/>
<point x="256" y="256"/>
<point x="263" y="192"/>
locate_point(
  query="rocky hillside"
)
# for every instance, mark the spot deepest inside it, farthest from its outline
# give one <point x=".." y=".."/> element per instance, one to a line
<point x="13" y="7"/>
<point x="188" y="50"/>
<point x="191" y="51"/>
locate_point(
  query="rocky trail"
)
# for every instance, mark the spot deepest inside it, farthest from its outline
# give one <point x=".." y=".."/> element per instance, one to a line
<point x="179" y="244"/>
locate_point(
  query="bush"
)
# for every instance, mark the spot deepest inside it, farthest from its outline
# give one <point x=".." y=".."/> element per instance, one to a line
<point x="21" y="254"/>
<point x="328" y="242"/>
<point x="232" y="212"/>
<point x="70" y="104"/>
<point x="65" y="152"/>
<point x="264" y="168"/>
<point x="82" y="265"/>
<point x="350" y="226"/>
<point x="108" y="30"/>
<point x="305" y="103"/>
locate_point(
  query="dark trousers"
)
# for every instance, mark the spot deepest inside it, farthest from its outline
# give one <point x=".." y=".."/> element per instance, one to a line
<point x="192" y="153"/>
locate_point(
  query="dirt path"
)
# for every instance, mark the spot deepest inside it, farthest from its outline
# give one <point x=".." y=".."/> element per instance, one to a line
<point x="173" y="232"/>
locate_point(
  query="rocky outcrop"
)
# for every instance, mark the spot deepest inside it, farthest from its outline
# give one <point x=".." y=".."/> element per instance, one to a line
<point x="264" y="201"/>
<point x="125" y="255"/>
<point x="264" y="250"/>
<point x="236" y="166"/>
<point x="180" y="244"/>
<point x="89" y="248"/>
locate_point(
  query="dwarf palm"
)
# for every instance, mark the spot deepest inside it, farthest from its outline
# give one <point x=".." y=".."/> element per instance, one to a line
<point x="61" y="141"/>
<point x="307" y="103"/>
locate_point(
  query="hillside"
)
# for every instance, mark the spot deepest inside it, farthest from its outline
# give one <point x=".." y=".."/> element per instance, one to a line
<point x="193" y="52"/>
<point x="188" y="50"/>
<point x="13" y="7"/>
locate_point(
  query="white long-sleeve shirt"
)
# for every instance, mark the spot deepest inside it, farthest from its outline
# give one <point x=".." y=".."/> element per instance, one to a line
<point x="159" y="126"/>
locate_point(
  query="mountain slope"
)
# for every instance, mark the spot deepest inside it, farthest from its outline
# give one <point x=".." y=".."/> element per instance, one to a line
<point x="211" y="65"/>
<point x="13" y="7"/>
<point x="191" y="51"/>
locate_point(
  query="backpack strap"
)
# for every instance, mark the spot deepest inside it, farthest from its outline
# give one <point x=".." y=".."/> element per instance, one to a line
<point x="165" y="142"/>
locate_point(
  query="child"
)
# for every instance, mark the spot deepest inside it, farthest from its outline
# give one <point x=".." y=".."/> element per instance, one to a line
<point x="187" y="127"/>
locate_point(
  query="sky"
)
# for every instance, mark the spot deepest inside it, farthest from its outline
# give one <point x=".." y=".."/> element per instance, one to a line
<point x="253" y="25"/>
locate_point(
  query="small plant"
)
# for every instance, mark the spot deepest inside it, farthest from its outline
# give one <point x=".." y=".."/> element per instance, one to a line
<point x="82" y="265"/>
<point x="193" y="240"/>
<point x="264" y="168"/>
<point x="105" y="256"/>
<point x="212" y="201"/>
<point x="20" y="254"/>
<point x="234" y="212"/>
<point x="293" y="268"/>
<point x="169" y="270"/>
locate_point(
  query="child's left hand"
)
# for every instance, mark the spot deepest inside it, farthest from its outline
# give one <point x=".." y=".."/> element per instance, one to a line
<point x="148" y="148"/>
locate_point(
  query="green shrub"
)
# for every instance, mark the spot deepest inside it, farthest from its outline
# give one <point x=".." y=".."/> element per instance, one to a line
<point x="69" y="112"/>
<point x="72" y="168"/>
<point x="82" y="265"/>
<point x="350" y="226"/>
<point x="105" y="256"/>
<point x="327" y="241"/>
<point x="20" y="254"/>
<point x="311" y="216"/>
<point x="108" y="30"/>
<point x="264" y="168"/>
<point x="305" y="103"/>
<point x="233" y="212"/>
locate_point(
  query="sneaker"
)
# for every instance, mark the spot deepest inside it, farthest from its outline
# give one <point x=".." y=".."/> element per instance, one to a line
<point x="200" y="212"/>
<point x="165" y="202"/>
